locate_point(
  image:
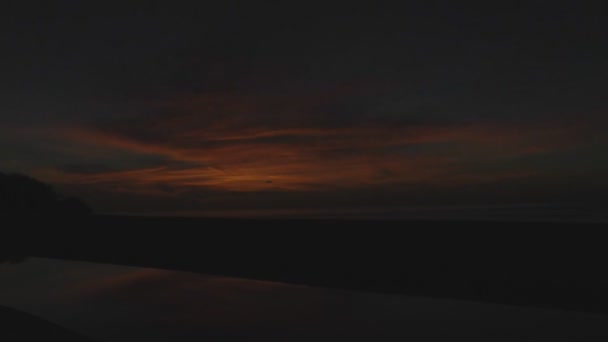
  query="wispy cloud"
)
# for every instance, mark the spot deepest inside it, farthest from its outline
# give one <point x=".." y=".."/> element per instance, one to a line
<point x="252" y="144"/>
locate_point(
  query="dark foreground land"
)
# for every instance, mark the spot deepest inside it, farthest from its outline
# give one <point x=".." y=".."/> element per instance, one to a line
<point x="16" y="326"/>
<point x="552" y="265"/>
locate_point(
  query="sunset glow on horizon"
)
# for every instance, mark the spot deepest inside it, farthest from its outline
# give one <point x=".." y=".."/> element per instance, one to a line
<point x="306" y="158"/>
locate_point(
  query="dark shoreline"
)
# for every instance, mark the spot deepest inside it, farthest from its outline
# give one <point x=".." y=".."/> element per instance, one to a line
<point x="549" y="265"/>
<point x="20" y="326"/>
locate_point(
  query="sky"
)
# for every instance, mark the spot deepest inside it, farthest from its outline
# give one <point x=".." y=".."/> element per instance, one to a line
<point x="118" y="303"/>
<point x="193" y="107"/>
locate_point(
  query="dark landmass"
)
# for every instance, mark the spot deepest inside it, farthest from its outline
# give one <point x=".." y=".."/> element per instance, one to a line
<point x="17" y="326"/>
<point x="23" y="195"/>
<point x="549" y="265"/>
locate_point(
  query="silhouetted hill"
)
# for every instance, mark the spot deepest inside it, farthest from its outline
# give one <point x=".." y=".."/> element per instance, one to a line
<point x="17" y="326"/>
<point x="23" y="195"/>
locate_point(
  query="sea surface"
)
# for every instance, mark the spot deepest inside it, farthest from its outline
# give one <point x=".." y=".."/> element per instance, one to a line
<point x="525" y="212"/>
<point x="118" y="303"/>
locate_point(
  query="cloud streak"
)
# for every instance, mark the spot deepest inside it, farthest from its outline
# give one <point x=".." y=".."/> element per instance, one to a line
<point x="248" y="143"/>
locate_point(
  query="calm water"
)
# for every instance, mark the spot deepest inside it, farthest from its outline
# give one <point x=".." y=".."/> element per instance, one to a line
<point x="114" y="303"/>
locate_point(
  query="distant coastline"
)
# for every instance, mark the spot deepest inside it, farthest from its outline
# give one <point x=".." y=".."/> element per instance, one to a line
<point x="527" y="212"/>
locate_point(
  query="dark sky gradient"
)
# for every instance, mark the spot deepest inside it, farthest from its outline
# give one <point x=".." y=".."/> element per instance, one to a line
<point x="191" y="106"/>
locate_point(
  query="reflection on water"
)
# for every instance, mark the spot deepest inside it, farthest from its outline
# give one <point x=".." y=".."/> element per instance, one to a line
<point x="114" y="303"/>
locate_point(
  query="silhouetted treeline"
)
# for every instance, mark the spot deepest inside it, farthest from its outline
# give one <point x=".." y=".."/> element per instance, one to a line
<point x="23" y="195"/>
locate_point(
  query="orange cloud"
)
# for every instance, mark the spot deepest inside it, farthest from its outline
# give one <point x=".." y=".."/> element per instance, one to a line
<point x="225" y="146"/>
